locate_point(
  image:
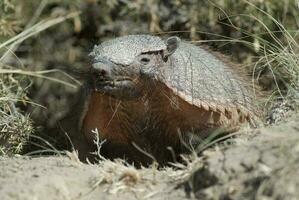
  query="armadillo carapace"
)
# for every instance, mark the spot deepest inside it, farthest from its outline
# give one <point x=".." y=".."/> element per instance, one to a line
<point x="150" y="97"/>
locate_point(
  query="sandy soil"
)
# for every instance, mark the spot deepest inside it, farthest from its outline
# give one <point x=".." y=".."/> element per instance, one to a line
<point x="63" y="178"/>
<point x="260" y="165"/>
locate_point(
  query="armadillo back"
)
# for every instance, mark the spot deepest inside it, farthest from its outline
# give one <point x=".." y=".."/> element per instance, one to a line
<point x="201" y="78"/>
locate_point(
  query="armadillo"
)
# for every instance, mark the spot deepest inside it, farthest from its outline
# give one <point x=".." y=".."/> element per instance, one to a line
<point x="150" y="96"/>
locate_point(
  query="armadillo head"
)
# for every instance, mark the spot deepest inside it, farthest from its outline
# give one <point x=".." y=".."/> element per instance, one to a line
<point x="122" y="65"/>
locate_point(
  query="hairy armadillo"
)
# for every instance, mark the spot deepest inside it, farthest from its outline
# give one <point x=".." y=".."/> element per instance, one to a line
<point x="149" y="97"/>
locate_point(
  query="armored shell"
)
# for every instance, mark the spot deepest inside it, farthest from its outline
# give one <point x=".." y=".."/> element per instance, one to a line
<point x="124" y="49"/>
<point x="192" y="72"/>
<point x="202" y="79"/>
<point x="187" y="92"/>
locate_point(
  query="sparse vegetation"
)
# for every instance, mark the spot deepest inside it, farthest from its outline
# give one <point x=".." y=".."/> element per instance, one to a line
<point x="264" y="32"/>
<point x="41" y="41"/>
<point x="16" y="125"/>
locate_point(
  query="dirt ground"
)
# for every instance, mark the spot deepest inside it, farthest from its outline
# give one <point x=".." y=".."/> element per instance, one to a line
<point x="259" y="164"/>
<point x="261" y="167"/>
<point x="64" y="178"/>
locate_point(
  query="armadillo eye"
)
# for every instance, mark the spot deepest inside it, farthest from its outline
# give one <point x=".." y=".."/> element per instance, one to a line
<point x="144" y="60"/>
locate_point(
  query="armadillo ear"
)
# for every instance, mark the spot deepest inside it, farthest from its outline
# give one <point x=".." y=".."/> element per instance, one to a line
<point x="93" y="53"/>
<point x="172" y="43"/>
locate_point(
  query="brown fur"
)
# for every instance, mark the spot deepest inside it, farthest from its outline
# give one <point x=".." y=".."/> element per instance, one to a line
<point x="159" y="118"/>
<point x="153" y="122"/>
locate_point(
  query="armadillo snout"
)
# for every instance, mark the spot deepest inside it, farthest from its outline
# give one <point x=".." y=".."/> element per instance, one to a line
<point x="103" y="69"/>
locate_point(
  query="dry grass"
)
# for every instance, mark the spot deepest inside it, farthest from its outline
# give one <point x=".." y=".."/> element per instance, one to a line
<point x="15" y="126"/>
<point x="276" y="63"/>
<point x="277" y="68"/>
<point x="118" y="176"/>
<point x="35" y="29"/>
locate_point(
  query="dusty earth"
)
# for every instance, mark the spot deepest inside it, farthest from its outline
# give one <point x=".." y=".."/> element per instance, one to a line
<point x="258" y="164"/>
